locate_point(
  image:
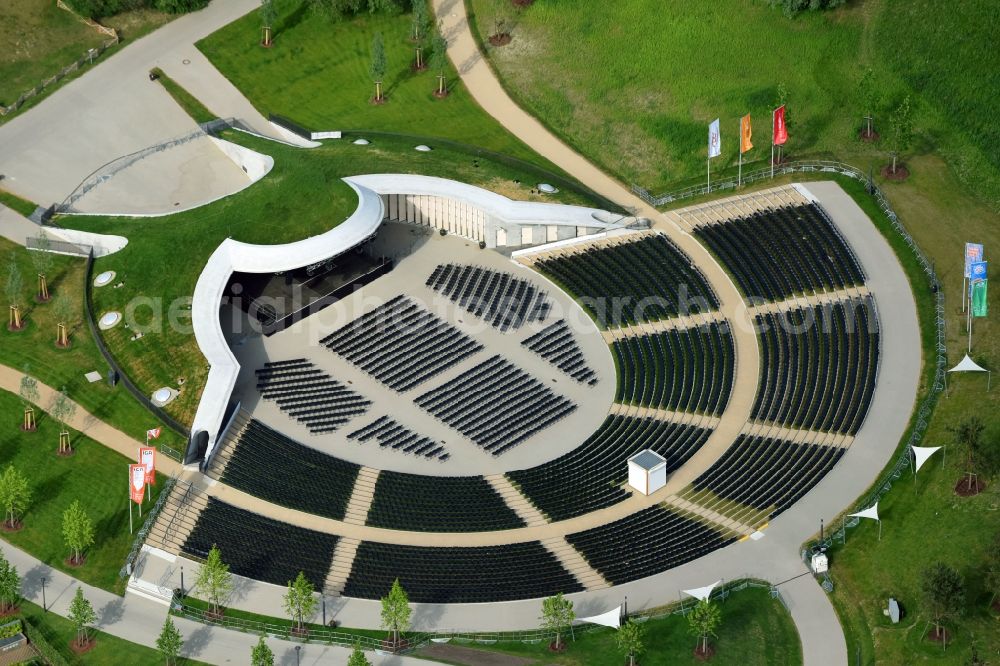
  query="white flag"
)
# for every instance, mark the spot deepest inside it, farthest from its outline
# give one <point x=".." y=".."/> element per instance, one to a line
<point x="714" y="143"/>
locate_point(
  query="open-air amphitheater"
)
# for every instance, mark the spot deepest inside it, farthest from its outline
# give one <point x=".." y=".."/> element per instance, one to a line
<point x="408" y="396"/>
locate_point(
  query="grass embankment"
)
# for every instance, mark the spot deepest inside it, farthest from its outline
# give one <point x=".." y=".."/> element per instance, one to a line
<point x="755" y="630"/>
<point x="191" y="105"/>
<point x="302" y="196"/>
<point x="41" y="39"/>
<point x="108" y="650"/>
<point x="35" y="347"/>
<point x="317" y="74"/>
<point x="16" y="203"/>
<point x="95" y="475"/>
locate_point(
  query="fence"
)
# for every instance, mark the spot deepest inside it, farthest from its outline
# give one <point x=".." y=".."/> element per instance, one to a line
<point x="85" y="59"/>
<point x="919" y="427"/>
<point x="415" y="641"/>
<point x="57" y="246"/>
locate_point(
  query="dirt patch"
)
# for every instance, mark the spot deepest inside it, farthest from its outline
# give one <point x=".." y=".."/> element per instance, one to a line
<point x="704" y="655"/>
<point x="901" y="173"/>
<point x="471" y="657"/>
<point x="967" y="487"/>
<point x="503" y="39"/>
<point x="73" y="562"/>
<point x="522" y="3"/>
<point x="939" y="635"/>
<point x="868" y="137"/>
<point x="82" y="649"/>
<point x="9" y="527"/>
<point x="13" y="610"/>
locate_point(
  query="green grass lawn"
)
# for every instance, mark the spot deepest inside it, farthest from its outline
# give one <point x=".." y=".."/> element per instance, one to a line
<point x="108" y="651"/>
<point x="94" y="475"/>
<point x="755" y="630"/>
<point x="191" y="105"/>
<point x="16" y="203"/>
<point x="317" y="74"/>
<point x="41" y="39"/>
<point x="302" y="196"/>
<point x="35" y="347"/>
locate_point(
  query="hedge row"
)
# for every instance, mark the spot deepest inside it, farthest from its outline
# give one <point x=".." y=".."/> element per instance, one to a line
<point x="96" y="9"/>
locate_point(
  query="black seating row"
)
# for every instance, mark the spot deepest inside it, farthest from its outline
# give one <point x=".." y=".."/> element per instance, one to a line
<point x="261" y="548"/>
<point x="390" y="434"/>
<point x="439" y="504"/>
<point x="401" y="343"/>
<point x="496" y="404"/>
<point x="645" y="543"/>
<point x="309" y="395"/>
<point x="273" y="467"/>
<point x="818" y="366"/>
<point x="459" y="575"/>
<point x="555" y="343"/>
<point x="776" y="253"/>
<point x="643" y="280"/>
<point x="768" y="473"/>
<point x="687" y="369"/>
<point x="502" y="300"/>
<point x="590" y="477"/>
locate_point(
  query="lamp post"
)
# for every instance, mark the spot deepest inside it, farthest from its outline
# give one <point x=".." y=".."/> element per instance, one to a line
<point x="298" y="648"/>
<point x="323" y="601"/>
<point x="44" y="609"/>
<point x="182" y="581"/>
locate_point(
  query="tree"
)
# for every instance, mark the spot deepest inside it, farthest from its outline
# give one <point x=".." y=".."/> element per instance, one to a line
<point x="902" y="130"/>
<point x="261" y="654"/>
<point x="358" y="658"/>
<point x="336" y="9"/>
<point x="969" y="438"/>
<point x="28" y="390"/>
<point x="557" y="616"/>
<point x="15" y="495"/>
<point x="64" y="308"/>
<point x="82" y="615"/>
<point x="869" y="94"/>
<point x="62" y="410"/>
<point x="630" y="637"/>
<point x="179" y="6"/>
<point x="439" y="60"/>
<point x="10" y="585"/>
<point x="42" y="259"/>
<point x="500" y="9"/>
<point x="300" y="604"/>
<point x="78" y="531"/>
<point x="418" y="29"/>
<point x="169" y="642"/>
<point x="944" y="593"/>
<point x="703" y="620"/>
<point x="214" y="582"/>
<point x="396" y="611"/>
<point x="12" y="290"/>
<point x="378" y="65"/>
<point x="793" y="7"/>
<point x="268" y="16"/>
<point x="991" y="579"/>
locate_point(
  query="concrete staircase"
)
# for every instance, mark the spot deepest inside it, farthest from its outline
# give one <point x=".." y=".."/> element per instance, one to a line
<point x="340" y="566"/>
<point x="516" y="501"/>
<point x="224" y="450"/>
<point x="361" y="497"/>
<point x="574" y="562"/>
<point x="177" y="518"/>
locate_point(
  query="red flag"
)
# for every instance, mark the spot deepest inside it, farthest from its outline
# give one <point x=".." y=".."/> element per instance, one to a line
<point x="780" y="131"/>
<point x="136" y="482"/>
<point x="147" y="458"/>
<point x="153" y="434"/>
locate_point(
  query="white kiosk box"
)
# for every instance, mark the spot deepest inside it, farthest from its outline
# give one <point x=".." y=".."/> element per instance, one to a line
<point x="647" y="472"/>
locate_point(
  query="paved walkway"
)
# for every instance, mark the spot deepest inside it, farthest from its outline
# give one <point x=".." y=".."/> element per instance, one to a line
<point x="114" y="110"/>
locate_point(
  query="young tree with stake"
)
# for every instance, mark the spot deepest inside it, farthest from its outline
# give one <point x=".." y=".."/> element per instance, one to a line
<point x="299" y="602"/>
<point x="378" y="66"/>
<point x="418" y="30"/>
<point x="869" y="94"/>
<point x="439" y="61"/>
<point x="78" y="531"/>
<point x="28" y="391"/>
<point x="261" y="654"/>
<point x="62" y="410"/>
<point x="42" y="259"/>
<point x="15" y="496"/>
<point x="969" y="437"/>
<point x="703" y="620"/>
<point x="630" y="637"/>
<point x="169" y="642"/>
<point x="12" y="290"/>
<point x="358" y="658"/>
<point x="991" y="577"/>
<point x="557" y="616"/>
<point x="64" y="308"/>
<point x="214" y="582"/>
<point x="902" y="130"/>
<point x="82" y="615"/>
<point x="10" y="585"/>
<point x="268" y="16"/>
<point x="396" y="612"/>
<point x="944" y="593"/>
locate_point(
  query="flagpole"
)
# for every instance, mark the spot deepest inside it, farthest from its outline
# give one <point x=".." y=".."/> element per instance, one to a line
<point x="772" y="142"/>
<point x="709" y="171"/>
<point x="739" y="174"/>
<point x="964" y="295"/>
<point x="130" y="502"/>
<point x="149" y="495"/>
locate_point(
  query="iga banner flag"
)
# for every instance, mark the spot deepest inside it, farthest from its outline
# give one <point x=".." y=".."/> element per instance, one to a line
<point x="745" y="133"/>
<point x="147" y="458"/>
<point x="136" y="482"/>
<point x="714" y="142"/>
<point x="780" y="131"/>
<point x="977" y="288"/>
<point x="973" y="253"/>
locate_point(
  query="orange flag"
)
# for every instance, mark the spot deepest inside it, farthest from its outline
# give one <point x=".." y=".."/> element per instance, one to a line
<point x="745" y="134"/>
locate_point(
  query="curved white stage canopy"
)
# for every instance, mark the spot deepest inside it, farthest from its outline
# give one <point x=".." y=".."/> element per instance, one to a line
<point x="233" y="256"/>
